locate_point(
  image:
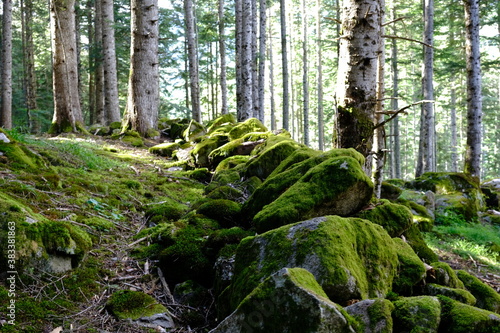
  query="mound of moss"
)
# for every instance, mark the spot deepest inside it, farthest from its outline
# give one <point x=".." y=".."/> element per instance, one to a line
<point x="460" y="295"/>
<point x="226" y="212"/>
<point x="248" y="126"/>
<point x="351" y="258"/>
<point x="164" y="149"/>
<point x="394" y="218"/>
<point x="487" y="298"/>
<point x="411" y="269"/>
<point x="444" y="275"/>
<point x="16" y="155"/>
<point x="417" y="314"/>
<point x="126" y="304"/>
<point x="313" y="194"/>
<point x="289" y="300"/>
<point x="374" y="314"/>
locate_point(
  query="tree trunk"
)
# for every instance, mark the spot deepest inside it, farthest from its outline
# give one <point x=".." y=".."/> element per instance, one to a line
<point x="271" y="80"/>
<point x="110" y="74"/>
<point x="222" y="52"/>
<point x="92" y="61"/>
<point x="321" y="121"/>
<point x="67" y="111"/>
<point x="474" y="100"/>
<point x="30" y="76"/>
<point x="357" y="75"/>
<point x="305" y="72"/>
<point x="245" y="109"/>
<point x="427" y="160"/>
<point x="284" y="59"/>
<point x="255" y="62"/>
<point x="194" y="80"/>
<point x="6" y="120"/>
<point x="262" y="57"/>
<point x="143" y="92"/>
<point x="99" y="67"/>
<point x="395" y="146"/>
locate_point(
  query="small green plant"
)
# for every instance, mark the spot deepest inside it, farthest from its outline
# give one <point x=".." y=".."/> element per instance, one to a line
<point x="450" y="217"/>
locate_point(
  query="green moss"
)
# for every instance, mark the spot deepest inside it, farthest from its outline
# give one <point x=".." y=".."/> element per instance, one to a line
<point x="193" y="131"/>
<point x="203" y="149"/>
<point x="421" y="215"/>
<point x="460" y="295"/>
<point x="417" y="243"/>
<point x="248" y="126"/>
<point x="394" y="218"/>
<point x="313" y="194"/>
<point x="231" y="162"/>
<point x="18" y="156"/>
<point x="168" y="210"/>
<point x="98" y="223"/>
<point x="202" y="175"/>
<point x="225" y="119"/>
<point x="223" y="237"/>
<point x="126" y="304"/>
<point x="226" y="192"/>
<point x="226" y="177"/>
<point x="338" y="251"/>
<point x="417" y="314"/>
<point x="463" y="318"/>
<point x="226" y="212"/>
<point x="380" y="312"/>
<point x="133" y="138"/>
<point x="446" y="276"/>
<point x="487" y="298"/>
<point x="411" y="269"/>
<point x="164" y="149"/>
<point x="390" y="191"/>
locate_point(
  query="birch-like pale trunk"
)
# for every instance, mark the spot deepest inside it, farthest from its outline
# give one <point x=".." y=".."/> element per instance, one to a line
<point x="143" y="91"/>
<point x="395" y="138"/>
<point x="284" y="59"/>
<point x="111" y="102"/>
<point x="474" y="99"/>
<point x="222" y="53"/>
<point x="319" y="67"/>
<point x="92" y="60"/>
<point x="262" y="58"/>
<point x="271" y="79"/>
<point x="305" y="74"/>
<point x="194" y="79"/>
<point x="67" y="111"/>
<point x="245" y="110"/>
<point x="6" y="119"/>
<point x="357" y="75"/>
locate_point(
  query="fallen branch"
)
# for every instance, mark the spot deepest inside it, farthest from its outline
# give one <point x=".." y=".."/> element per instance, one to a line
<point x="170" y="298"/>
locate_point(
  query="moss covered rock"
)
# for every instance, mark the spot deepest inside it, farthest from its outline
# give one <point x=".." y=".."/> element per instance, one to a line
<point x="444" y="275"/>
<point x="248" y="126"/>
<point x="487" y="298"/>
<point x="417" y="314"/>
<point x="337" y="186"/>
<point x="165" y="149"/>
<point x="167" y="210"/>
<point x="224" y="120"/>
<point x="289" y="300"/>
<point x="423" y="217"/>
<point x="231" y="162"/>
<point x="462" y="318"/>
<point x="226" y="212"/>
<point x="126" y="304"/>
<point x="193" y="131"/>
<point x="17" y="155"/>
<point x="416" y="241"/>
<point x="460" y="295"/>
<point x="351" y="258"/>
<point x="390" y="191"/>
<point x="203" y="149"/>
<point x="374" y="314"/>
<point x="226" y="192"/>
<point x="411" y="269"/>
<point x="394" y="218"/>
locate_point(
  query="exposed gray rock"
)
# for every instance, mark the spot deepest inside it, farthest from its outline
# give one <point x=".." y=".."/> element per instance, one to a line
<point x="375" y="315"/>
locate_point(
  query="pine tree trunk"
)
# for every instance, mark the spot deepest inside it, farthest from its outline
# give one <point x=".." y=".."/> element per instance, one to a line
<point x="29" y="61"/>
<point x="474" y="100"/>
<point x="284" y="59"/>
<point x="100" y="117"/>
<point x="222" y="52"/>
<point x="67" y="111"/>
<point x="245" y="110"/>
<point x="194" y="80"/>
<point x="305" y="79"/>
<point x="255" y="63"/>
<point x="357" y="75"/>
<point x="92" y="61"/>
<point x="427" y="161"/>
<point x="143" y="92"/>
<point x="6" y="119"/>
<point x="396" y="145"/>
<point x="271" y="80"/>
<point x="321" y="121"/>
<point x="110" y="73"/>
<point x="262" y="57"/>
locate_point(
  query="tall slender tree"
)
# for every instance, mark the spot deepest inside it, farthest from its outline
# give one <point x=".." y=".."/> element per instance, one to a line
<point x="109" y="53"/>
<point x="262" y="57"/>
<point x="29" y="68"/>
<point x="67" y="110"/>
<point x="395" y="140"/>
<point x="194" y="80"/>
<point x="222" y="53"/>
<point x="474" y="99"/>
<point x="100" y="117"/>
<point x="245" y="108"/>
<point x="284" y="60"/>
<point x="319" y="66"/>
<point x="143" y="90"/>
<point x="305" y="75"/>
<point x="6" y="119"/>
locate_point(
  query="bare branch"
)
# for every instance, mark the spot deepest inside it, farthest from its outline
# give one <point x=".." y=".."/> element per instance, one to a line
<point x="334" y="20"/>
<point x="395" y="113"/>
<point x="408" y="39"/>
<point x="394" y="21"/>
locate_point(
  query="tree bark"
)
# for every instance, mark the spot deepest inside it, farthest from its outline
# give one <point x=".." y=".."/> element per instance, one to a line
<point x="474" y="99"/>
<point x="284" y="59"/>
<point x="305" y="74"/>
<point x="109" y="52"/>
<point x="222" y="52"/>
<point x="357" y="83"/>
<point x="245" y="110"/>
<point x="395" y="139"/>
<point x="143" y="92"/>
<point x="194" y="80"/>
<point x="262" y="58"/>
<point x="100" y="117"/>
<point x="67" y="111"/>
<point x="29" y="64"/>
<point x="6" y="119"/>
<point x="92" y="61"/>
<point x="271" y="80"/>
<point x="321" y="121"/>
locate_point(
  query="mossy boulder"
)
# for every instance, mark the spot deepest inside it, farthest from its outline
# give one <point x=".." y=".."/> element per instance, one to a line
<point x="164" y="149"/>
<point x="167" y="210"/>
<point x="394" y="218"/>
<point x="460" y="295"/>
<point x="289" y="300"/>
<point x="487" y="298"/>
<point x="231" y="162"/>
<point x="226" y="212"/>
<point x="374" y="314"/>
<point x="491" y="191"/>
<point x="351" y="258"/>
<point x="444" y="275"/>
<point x="337" y="186"/>
<point x="225" y="119"/>
<point x="423" y="217"/>
<point x="411" y="269"/>
<point x="98" y="129"/>
<point x="193" y="131"/>
<point x="415" y="239"/>
<point x="226" y="192"/>
<point x="239" y="147"/>
<point x="202" y="150"/>
<point x="462" y="318"/>
<point x="248" y="126"/>
<point x="417" y="314"/>
<point x="126" y="304"/>
<point x="17" y="155"/>
<point x="390" y="191"/>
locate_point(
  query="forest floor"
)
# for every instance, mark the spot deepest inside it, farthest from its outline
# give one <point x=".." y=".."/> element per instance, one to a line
<point x="117" y="182"/>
